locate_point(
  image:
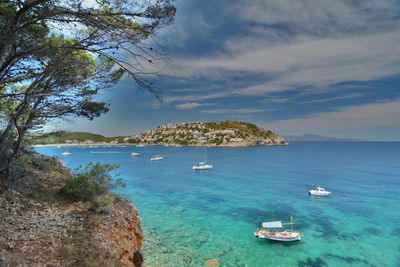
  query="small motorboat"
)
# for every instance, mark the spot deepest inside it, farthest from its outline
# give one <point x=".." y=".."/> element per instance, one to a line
<point x="134" y="154"/>
<point x="202" y="166"/>
<point x="319" y="191"/>
<point x="66" y="153"/>
<point x="157" y="157"/>
<point x="266" y="232"/>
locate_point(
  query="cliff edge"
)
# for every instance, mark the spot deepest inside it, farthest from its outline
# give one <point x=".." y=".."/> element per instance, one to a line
<point x="41" y="228"/>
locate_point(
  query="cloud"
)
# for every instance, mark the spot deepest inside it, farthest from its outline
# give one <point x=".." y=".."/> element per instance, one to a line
<point x="298" y="45"/>
<point x="382" y="114"/>
<point x="191" y="105"/>
<point x="322" y="17"/>
<point x="306" y="62"/>
<point x="217" y="111"/>
<point x="237" y="111"/>
<point x="171" y="99"/>
<point x="329" y="99"/>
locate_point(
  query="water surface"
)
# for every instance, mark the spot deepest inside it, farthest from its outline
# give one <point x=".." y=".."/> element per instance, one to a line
<point x="191" y="216"/>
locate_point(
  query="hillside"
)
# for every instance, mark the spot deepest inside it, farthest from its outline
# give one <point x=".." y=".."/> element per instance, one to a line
<point x="227" y="133"/>
<point x="61" y="137"/>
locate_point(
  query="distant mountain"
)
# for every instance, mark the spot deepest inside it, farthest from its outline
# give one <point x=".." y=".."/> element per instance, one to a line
<point x="316" y="137"/>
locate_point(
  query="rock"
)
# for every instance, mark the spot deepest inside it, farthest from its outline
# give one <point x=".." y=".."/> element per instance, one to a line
<point x="10" y="245"/>
<point x="211" y="263"/>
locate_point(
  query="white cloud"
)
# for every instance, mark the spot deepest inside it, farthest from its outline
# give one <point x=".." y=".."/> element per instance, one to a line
<point x="306" y="62"/>
<point x="382" y="114"/>
<point x="236" y="111"/>
<point x="302" y="45"/>
<point x="223" y="94"/>
<point x="217" y="111"/>
<point x="191" y="105"/>
<point x="251" y="110"/>
<point x="329" y="99"/>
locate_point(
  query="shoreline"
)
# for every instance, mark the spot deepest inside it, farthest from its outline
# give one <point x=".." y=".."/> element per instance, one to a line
<point x="144" y="145"/>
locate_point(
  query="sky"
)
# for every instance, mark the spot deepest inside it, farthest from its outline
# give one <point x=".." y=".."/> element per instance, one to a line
<point x="328" y="67"/>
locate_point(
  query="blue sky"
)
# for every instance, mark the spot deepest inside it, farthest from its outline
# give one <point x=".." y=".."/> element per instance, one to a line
<point x="329" y="67"/>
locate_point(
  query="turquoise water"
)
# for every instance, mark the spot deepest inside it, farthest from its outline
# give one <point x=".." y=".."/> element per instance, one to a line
<point x="190" y="217"/>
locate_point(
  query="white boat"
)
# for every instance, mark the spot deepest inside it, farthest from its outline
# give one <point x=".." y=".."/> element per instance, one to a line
<point x="319" y="191"/>
<point x="58" y="146"/>
<point x="66" y="153"/>
<point x="267" y="232"/>
<point x="135" y="154"/>
<point x="156" y="157"/>
<point x="140" y="146"/>
<point x="203" y="165"/>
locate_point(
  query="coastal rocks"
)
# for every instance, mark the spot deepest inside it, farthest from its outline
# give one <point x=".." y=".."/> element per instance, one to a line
<point x="29" y="229"/>
<point x="39" y="228"/>
<point x="58" y="232"/>
<point x="118" y="233"/>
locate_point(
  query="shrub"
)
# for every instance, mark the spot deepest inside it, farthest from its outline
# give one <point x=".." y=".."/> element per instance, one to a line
<point x="93" y="183"/>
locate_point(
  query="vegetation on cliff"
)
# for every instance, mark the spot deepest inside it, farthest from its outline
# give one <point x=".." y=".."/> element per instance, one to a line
<point x="93" y="183"/>
<point x="42" y="227"/>
<point x="226" y="133"/>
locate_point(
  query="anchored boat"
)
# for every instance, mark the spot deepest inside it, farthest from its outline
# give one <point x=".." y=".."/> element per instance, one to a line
<point x="319" y="191"/>
<point x="203" y="165"/>
<point x="134" y="154"/>
<point x="268" y="231"/>
<point x="156" y="157"/>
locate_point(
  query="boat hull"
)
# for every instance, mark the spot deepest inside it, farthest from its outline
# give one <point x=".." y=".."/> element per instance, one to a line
<point x="278" y="236"/>
<point x="202" y="167"/>
<point x="282" y="239"/>
<point x="316" y="193"/>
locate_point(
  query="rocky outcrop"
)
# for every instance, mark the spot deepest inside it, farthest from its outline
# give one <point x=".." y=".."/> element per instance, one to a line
<point x="223" y="134"/>
<point x="39" y="228"/>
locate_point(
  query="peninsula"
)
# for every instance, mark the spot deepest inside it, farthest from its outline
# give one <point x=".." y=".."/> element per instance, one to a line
<point x="224" y="134"/>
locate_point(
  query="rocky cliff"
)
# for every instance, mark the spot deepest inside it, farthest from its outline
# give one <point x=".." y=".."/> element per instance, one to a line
<point x="225" y="133"/>
<point x="39" y="228"/>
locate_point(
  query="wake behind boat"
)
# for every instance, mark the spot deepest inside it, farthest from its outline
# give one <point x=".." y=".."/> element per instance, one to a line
<point x="266" y="232"/>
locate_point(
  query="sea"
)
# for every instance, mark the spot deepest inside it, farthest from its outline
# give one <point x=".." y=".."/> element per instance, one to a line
<point x="207" y="218"/>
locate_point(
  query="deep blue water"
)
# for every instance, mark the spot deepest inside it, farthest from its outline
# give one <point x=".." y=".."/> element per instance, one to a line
<point x="190" y="217"/>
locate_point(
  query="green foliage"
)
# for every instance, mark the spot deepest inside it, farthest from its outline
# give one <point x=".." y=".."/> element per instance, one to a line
<point x="60" y="137"/>
<point x="181" y="142"/>
<point x="93" y="183"/>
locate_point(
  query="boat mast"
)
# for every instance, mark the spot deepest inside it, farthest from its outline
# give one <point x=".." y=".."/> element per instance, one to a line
<point x="205" y="154"/>
<point x="291" y="225"/>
